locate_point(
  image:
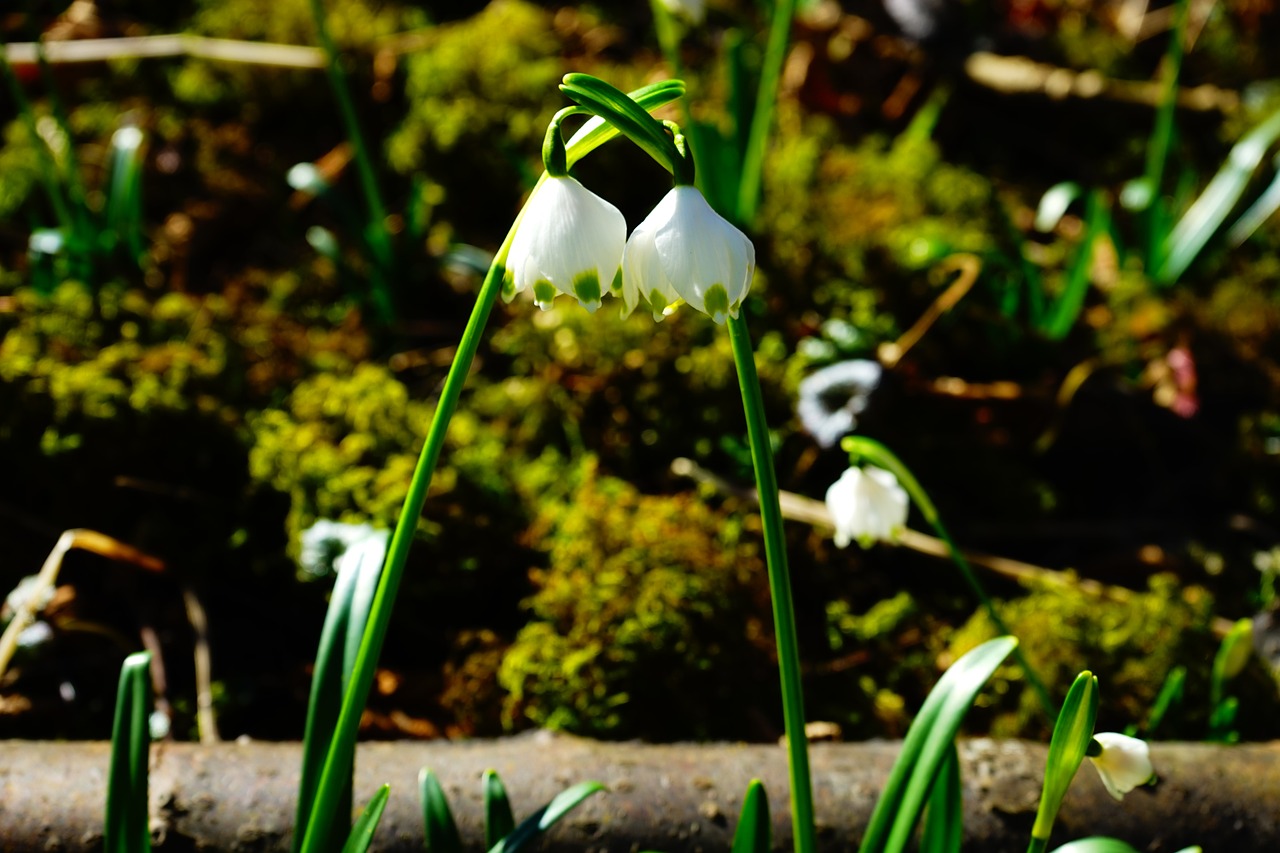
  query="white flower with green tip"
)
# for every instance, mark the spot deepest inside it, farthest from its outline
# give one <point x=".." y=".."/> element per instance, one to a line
<point x="867" y="506"/>
<point x="1124" y="764"/>
<point x="684" y="250"/>
<point x="569" y="241"/>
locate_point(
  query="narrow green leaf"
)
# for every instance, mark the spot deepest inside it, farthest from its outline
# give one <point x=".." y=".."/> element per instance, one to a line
<point x="944" y="819"/>
<point x="124" y="190"/>
<point x="362" y="833"/>
<point x="1162" y="135"/>
<point x="532" y="827"/>
<point x="348" y="613"/>
<point x="499" y="822"/>
<point x="1259" y="212"/>
<point x="1170" y="694"/>
<point x="754" y="833"/>
<point x="1071" y="736"/>
<point x="437" y="817"/>
<point x="1210" y="210"/>
<point x="762" y="116"/>
<point x="1066" y="308"/>
<point x="127" y="821"/>
<point x="926" y="744"/>
<point x="1097" y="844"/>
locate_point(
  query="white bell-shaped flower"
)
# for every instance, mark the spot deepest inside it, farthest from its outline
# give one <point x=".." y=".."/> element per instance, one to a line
<point x="1125" y="763"/>
<point x="570" y="240"/>
<point x="685" y="250"/>
<point x="867" y="505"/>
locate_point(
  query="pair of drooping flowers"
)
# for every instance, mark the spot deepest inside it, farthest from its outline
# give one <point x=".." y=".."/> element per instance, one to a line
<point x="572" y="241"/>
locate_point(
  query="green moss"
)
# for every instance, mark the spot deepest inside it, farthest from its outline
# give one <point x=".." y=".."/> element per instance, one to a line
<point x="1130" y="646"/>
<point x="19" y="168"/>
<point x="640" y="597"/>
<point x="833" y="212"/>
<point x="492" y="76"/>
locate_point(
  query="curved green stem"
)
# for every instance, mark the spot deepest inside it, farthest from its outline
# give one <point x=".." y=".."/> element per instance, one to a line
<point x="876" y="453"/>
<point x="779" y="588"/>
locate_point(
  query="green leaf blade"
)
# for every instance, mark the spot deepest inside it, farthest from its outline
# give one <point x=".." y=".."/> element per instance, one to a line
<point x="362" y="833"/>
<point x="437" y="818"/>
<point x="754" y="833"/>
<point x="926" y="744"/>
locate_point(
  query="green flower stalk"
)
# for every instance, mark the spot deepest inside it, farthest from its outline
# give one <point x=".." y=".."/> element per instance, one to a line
<point x="686" y="252"/>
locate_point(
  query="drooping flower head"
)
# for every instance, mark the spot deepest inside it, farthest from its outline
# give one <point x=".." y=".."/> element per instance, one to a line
<point x="1123" y="764"/>
<point x="684" y="250"/>
<point x="569" y="241"/>
<point x="867" y="505"/>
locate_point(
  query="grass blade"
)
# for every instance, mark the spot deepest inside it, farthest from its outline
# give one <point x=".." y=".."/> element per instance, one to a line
<point x="532" y="827"/>
<point x="127" y="822"/>
<point x="499" y="822"/>
<point x="124" y="191"/>
<point x="362" y="833"/>
<point x="437" y="818"/>
<point x="926" y="746"/>
<point x="344" y="624"/>
<point x="1066" y="308"/>
<point x="1259" y="212"/>
<point x="1207" y="214"/>
<point x="944" y="819"/>
<point x="754" y="833"/>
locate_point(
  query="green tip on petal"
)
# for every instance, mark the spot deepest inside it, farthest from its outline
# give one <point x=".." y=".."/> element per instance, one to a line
<point x="508" y="291"/>
<point x="615" y="287"/>
<point x="544" y="293"/>
<point x="716" y="303"/>
<point x="586" y="286"/>
<point x="658" y="305"/>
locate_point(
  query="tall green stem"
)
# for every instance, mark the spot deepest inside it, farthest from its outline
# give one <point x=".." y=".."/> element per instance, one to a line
<point x="779" y="588"/>
<point x="875" y="452"/>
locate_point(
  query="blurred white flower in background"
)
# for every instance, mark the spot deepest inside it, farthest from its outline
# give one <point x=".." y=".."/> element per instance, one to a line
<point x="831" y="399"/>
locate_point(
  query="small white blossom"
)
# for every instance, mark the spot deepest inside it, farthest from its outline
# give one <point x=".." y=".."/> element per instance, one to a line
<point x="867" y="505"/>
<point x="685" y="250"/>
<point x="1125" y="763"/>
<point x="570" y="240"/>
